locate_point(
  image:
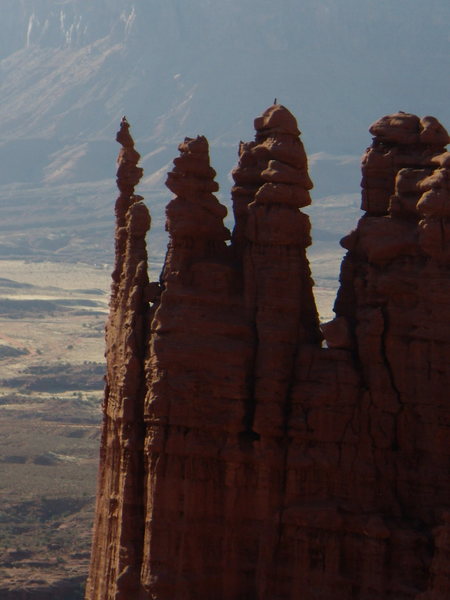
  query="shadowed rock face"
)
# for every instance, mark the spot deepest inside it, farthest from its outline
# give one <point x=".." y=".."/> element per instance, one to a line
<point x="242" y="458"/>
<point x="401" y="141"/>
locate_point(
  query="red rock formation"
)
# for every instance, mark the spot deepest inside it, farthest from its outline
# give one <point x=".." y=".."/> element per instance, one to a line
<point x="278" y="286"/>
<point x="440" y="565"/>
<point x="394" y="298"/>
<point x="117" y="555"/>
<point x="194" y="216"/>
<point x="400" y="141"/>
<point x="240" y="458"/>
<point x="200" y="352"/>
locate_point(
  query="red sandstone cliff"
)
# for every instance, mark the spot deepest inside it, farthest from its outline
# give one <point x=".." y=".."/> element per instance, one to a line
<point x="241" y="459"/>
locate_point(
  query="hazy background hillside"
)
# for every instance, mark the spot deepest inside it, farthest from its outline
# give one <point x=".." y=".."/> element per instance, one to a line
<point x="71" y="68"/>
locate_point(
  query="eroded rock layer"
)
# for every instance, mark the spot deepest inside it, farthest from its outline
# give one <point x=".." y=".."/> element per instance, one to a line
<point x="241" y="457"/>
<point x="401" y="141"/>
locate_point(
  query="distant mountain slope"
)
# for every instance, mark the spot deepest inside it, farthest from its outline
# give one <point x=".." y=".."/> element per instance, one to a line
<point x="71" y="68"/>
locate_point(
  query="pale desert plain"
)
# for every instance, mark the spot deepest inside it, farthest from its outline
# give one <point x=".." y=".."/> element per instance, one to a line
<point x="52" y="318"/>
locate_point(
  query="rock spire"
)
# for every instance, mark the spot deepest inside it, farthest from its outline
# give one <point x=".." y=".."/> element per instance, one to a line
<point x="278" y="285"/>
<point x="116" y="559"/>
<point x="194" y="216"/>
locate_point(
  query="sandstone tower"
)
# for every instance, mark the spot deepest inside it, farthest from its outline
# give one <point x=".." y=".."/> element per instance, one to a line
<point x="243" y="456"/>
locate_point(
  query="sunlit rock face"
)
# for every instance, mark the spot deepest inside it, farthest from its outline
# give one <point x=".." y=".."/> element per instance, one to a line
<point x="248" y="452"/>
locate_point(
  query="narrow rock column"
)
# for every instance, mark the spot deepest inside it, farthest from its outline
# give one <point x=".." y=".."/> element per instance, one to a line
<point x="199" y="356"/>
<point x="280" y="306"/>
<point x="278" y="284"/>
<point x="118" y="533"/>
